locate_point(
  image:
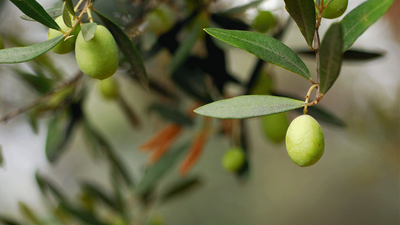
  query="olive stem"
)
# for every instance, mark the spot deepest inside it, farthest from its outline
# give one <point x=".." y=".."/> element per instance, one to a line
<point x="306" y="104"/>
<point x="89" y="12"/>
<point x="78" y="4"/>
<point x="43" y="98"/>
<point x="77" y="21"/>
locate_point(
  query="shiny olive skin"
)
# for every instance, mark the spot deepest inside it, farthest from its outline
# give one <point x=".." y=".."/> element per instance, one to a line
<point x="264" y="21"/>
<point x="65" y="46"/>
<point x="335" y="9"/>
<point x="98" y="57"/>
<point x="234" y="159"/>
<point x="305" y="141"/>
<point x="161" y="19"/>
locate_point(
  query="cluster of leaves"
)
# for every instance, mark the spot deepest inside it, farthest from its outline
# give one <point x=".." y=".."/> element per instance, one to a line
<point x="189" y="73"/>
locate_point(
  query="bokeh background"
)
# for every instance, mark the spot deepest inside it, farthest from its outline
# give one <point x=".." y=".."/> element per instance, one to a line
<point x="355" y="182"/>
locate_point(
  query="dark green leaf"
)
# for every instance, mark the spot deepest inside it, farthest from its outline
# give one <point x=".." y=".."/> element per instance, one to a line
<point x="180" y="187"/>
<point x="321" y="114"/>
<point x="24" y="54"/>
<point x="32" y="120"/>
<point x="303" y="13"/>
<point x="88" y="30"/>
<point x="350" y="55"/>
<point x="34" y="10"/>
<point x="66" y="16"/>
<point x="40" y="83"/>
<point x="361" y="18"/>
<point x="1" y="157"/>
<point x="187" y="44"/>
<point x="8" y="221"/>
<point x="129" y="112"/>
<point x="46" y="185"/>
<point x="129" y="50"/>
<point x="58" y="135"/>
<point x="109" y="151"/>
<point x="171" y="114"/>
<point x="265" y="47"/>
<point x="70" y="6"/>
<point x="82" y="214"/>
<point x="330" y="57"/>
<point x="95" y="191"/>
<point x="248" y="106"/>
<point x="242" y="8"/>
<point x="158" y="170"/>
<point x="28" y="214"/>
<point x="54" y="13"/>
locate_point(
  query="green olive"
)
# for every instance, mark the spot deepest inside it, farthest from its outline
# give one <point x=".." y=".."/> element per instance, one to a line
<point x="65" y="46"/>
<point x="275" y="126"/>
<point x="305" y="141"/>
<point x="161" y="19"/>
<point x="109" y="88"/>
<point x="233" y="159"/>
<point x="335" y="9"/>
<point x="264" y="21"/>
<point x="98" y="57"/>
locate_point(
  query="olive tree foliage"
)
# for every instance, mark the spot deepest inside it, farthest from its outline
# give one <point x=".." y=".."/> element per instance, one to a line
<point x="176" y="26"/>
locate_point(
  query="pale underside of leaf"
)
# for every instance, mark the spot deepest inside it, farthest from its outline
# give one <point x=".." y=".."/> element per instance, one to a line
<point x="248" y="106"/>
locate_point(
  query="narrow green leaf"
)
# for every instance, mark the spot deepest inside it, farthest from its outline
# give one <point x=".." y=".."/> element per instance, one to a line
<point x="34" y="10"/>
<point x="46" y="185"/>
<point x="99" y="194"/>
<point x="361" y="18"/>
<point x="248" y="106"/>
<point x="265" y="47"/>
<point x="54" y="13"/>
<point x="303" y="13"/>
<point x="88" y="30"/>
<point x="70" y="6"/>
<point x="187" y="44"/>
<point x="126" y="46"/>
<point x="242" y="8"/>
<point x="4" y="220"/>
<point x="66" y="16"/>
<point x="330" y="54"/>
<point x="40" y="84"/>
<point x="1" y="157"/>
<point x="323" y="115"/>
<point x="171" y="114"/>
<point x="58" y="135"/>
<point x="82" y="214"/>
<point x="24" y="54"/>
<point x="350" y="55"/>
<point x="128" y="111"/>
<point x="28" y="214"/>
<point x="180" y="187"/>
<point x="158" y="170"/>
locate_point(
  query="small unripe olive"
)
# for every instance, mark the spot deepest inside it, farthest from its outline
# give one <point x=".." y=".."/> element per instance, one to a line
<point x="335" y="9"/>
<point x="305" y="141"/>
<point x="264" y="21"/>
<point x="161" y="19"/>
<point x="233" y="159"/>
<point x="98" y="57"/>
<point x="275" y="126"/>
<point x="65" y="46"/>
<point x="109" y="88"/>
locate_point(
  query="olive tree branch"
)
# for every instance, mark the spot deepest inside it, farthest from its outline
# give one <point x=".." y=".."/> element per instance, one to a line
<point x="43" y="98"/>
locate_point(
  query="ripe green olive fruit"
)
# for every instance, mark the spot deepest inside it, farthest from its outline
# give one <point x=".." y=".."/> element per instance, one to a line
<point x="98" y="57"/>
<point x="305" y="141"/>
<point x="65" y="46"/>
<point x="335" y="9"/>
<point x="275" y="126"/>
<point x="233" y="159"/>
<point x="161" y="19"/>
<point x="264" y="21"/>
<point x="109" y="88"/>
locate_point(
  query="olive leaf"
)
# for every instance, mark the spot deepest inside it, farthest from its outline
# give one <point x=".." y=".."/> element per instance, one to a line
<point x="303" y="13"/>
<point x="70" y="6"/>
<point x="180" y="187"/>
<point x="88" y="30"/>
<point x="248" y="106"/>
<point x="35" y="11"/>
<point x="265" y="47"/>
<point x="66" y="16"/>
<point x="28" y="214"/>
<point x="54" y="13"/>
<point x="361" y="18"/>
<point x="24" y="54"/>
<point x="1" y="157"/>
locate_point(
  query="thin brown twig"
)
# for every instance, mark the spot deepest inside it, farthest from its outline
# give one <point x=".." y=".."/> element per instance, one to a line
<point x="27" y="107"/>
